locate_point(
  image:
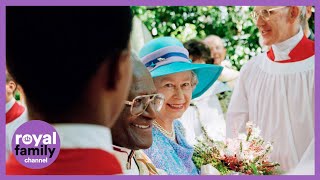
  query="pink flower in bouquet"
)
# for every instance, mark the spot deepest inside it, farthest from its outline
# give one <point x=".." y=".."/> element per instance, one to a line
<point x="248" y="154"/>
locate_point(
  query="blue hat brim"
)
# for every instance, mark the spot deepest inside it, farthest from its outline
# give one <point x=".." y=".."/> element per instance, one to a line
<point x="207" y="74"/>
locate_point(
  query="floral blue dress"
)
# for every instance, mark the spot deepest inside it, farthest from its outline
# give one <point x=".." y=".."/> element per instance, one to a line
<point x="174" y="158"/>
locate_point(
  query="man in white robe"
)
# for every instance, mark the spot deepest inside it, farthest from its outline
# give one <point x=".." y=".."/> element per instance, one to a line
<point x="275" y="89"/>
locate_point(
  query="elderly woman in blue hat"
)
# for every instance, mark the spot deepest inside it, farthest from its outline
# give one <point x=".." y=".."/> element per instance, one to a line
<point x="179" y="81"/>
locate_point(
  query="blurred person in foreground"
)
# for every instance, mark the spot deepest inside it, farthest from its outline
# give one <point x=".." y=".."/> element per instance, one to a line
<point x="16" y="112"/>
<point x="75" y="71"/>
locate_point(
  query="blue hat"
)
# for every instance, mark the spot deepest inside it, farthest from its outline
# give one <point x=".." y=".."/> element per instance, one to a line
<point x="166" y="55"/>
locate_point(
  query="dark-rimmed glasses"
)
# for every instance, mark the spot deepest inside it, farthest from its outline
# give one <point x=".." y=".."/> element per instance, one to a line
<point x="140" y="103"/>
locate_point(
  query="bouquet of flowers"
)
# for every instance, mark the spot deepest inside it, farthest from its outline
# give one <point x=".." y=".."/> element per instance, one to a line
<point x="247" y="154"/>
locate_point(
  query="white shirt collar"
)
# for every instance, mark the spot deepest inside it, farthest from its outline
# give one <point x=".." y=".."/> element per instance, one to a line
<point x="129" y="166"/>
<point x="84" y="136"/>
<point x="123" y="149"/>
<point x="10" y="104"/>
<point x="282" y="50"/>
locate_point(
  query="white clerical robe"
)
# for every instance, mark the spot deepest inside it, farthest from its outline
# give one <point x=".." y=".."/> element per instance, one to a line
<point x="306" y="164"/>
<point x="279" y="99"/>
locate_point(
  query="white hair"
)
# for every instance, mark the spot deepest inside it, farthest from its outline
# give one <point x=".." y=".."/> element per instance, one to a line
<point x="194" y="80"/>
<point x="303" y="12"/>
<point x="303" y="16"/>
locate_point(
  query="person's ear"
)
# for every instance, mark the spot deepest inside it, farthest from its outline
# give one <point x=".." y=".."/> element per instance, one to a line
<point x="12" y="86"/>
<point x="308" y="12"/>
<point x="224" y="53"/>
<point x="294" y="13"/>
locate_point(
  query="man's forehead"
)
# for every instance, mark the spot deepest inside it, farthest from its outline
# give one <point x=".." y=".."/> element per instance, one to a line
<point x="214" y="40"/>
<point x="142" y="86"/>
<point x="257" y="8"/>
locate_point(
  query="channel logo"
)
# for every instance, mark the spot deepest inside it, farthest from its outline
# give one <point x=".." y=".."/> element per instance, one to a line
<point x="36" y="144"/>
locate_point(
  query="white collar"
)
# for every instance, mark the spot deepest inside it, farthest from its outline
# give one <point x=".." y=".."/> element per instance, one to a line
<point x="282" y="50"/>
<point x="10" y="104"/>
<point x="126" y="158"/>
<point x="122" y="149"/>
<point x="84" y="136"/>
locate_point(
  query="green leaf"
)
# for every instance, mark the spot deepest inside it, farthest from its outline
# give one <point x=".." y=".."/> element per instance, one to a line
<point x="254" y="169"/>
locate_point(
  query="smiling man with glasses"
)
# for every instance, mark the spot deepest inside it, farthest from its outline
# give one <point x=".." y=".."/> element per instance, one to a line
<point x="276" y="88"/>
<point x="133" y="129"/>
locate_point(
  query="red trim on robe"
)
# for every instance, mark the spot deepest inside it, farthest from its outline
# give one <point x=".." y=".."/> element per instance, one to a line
<point x="303" y="50"/>
<point x="71" y="162"/>
<point x="15" y="112"/>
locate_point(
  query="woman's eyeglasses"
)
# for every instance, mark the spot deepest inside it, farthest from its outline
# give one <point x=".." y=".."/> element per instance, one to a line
<point x="140" y="103"/>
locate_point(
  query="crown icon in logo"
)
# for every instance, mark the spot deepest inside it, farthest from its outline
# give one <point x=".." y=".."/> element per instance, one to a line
<point x="27" y="139"/>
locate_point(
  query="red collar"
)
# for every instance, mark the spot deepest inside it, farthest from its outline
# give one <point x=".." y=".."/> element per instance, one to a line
<point x="15" y="111"/>
<point x="303" y="50"/>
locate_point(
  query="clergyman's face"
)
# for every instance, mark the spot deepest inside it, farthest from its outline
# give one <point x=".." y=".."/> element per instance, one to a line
<point x="275" y="29"/>
<point x="135" y="132"/>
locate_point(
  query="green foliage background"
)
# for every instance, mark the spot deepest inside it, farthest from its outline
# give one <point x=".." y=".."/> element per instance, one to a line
<point x="232" y="23"/>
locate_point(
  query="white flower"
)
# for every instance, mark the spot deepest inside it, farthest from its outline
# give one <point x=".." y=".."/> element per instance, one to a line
<point x="256" y="133"/>
<point x="222" y="153"/>
<point x="250" y="157"/>
<point x="200" y="138"/>
<point x="245" y="145"/>
<point x="268" y="145"/>
<point x="229" y="152"/>
<point x="242" y="137"/>
<point x="242" y="157"/>
<point x="249" y="125"/>
<point x="209" y="170"/>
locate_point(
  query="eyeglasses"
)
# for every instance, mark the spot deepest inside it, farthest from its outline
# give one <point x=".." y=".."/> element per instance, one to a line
<point x="264" y="13"/>
<point x="140" y="103"/>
